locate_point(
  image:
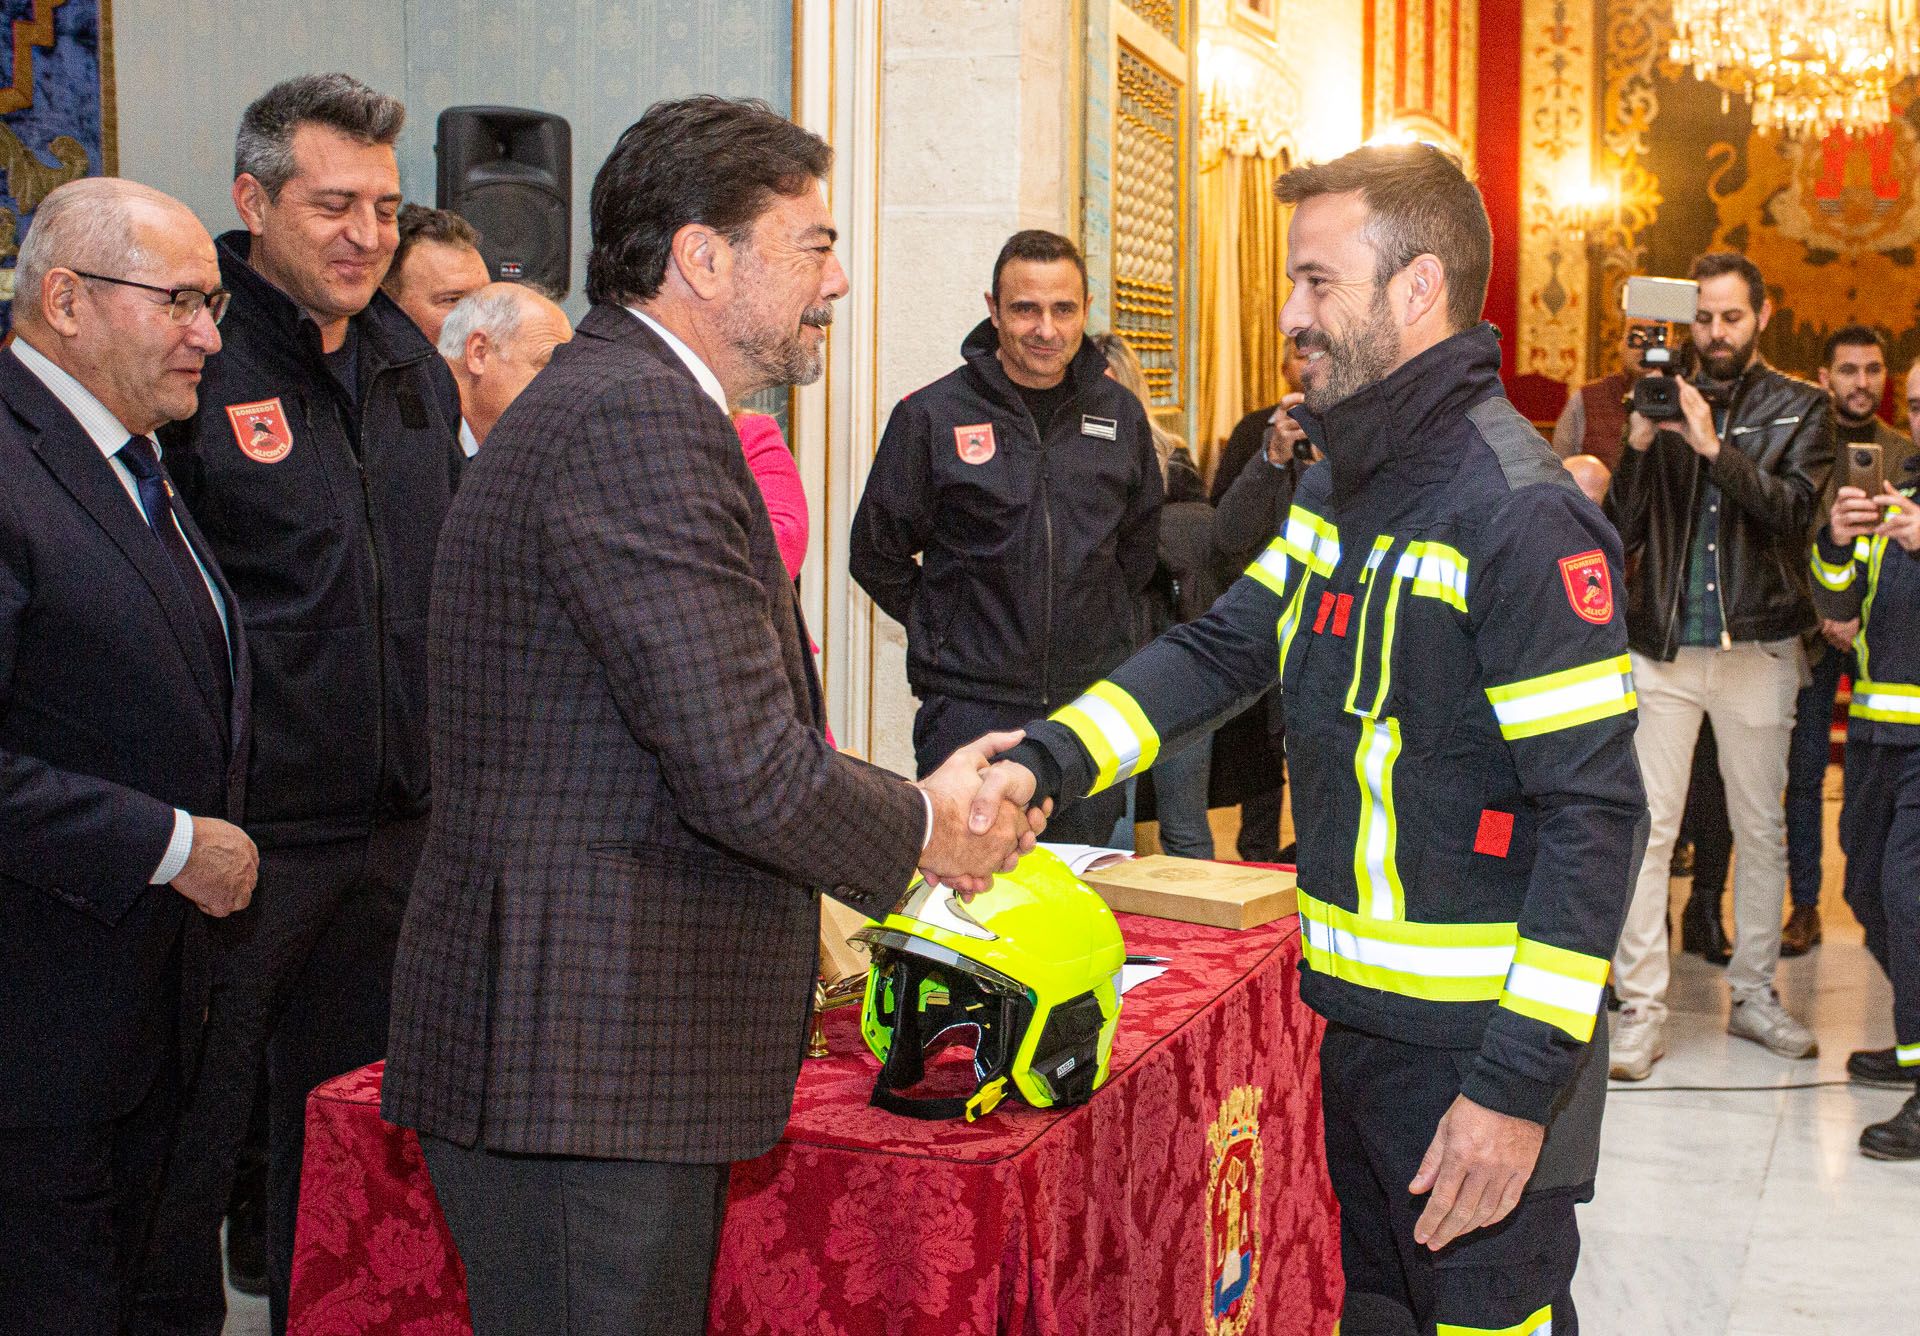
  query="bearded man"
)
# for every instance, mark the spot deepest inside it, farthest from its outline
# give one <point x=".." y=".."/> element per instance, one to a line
<point x="1717" y="506"/>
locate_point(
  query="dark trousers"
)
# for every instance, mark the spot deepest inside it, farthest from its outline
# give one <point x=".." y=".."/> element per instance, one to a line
<point x="556" y="1246"/>
<point x="301" y="981"/>
<point x="1705" y="822"/>
<point x="1880" y="833"/>
<point x="1259" y="837"/>
<point x="75" y="1205"/>
<point x="1382" y="1101"/>
<point x="944" y="724"/>
<point x="1809" y="751"/>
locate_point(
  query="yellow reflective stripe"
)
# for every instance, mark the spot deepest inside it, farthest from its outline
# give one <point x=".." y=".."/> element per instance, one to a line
<point x="1270" y="568"/>
<point x="1832" y="577"/>
<point x="1437" y="571"/>
<point x="1564" y="699"/>
<point x="1376" y="866"/>
<point x="1380" y="546"/>
<point x="1540" y="1323"/>
<point x="1907" y="1055"/>
<point x="1115" y="731"/>
<point x="1311" y="541"/>
<point x="1555" y="986"/>
<point x="1885" y="702"/>
<point x="1389" y="623"/>
<point x="1435" y="962"/>
<point x="1876" y="549"/>
<point x="1289" y="623"/>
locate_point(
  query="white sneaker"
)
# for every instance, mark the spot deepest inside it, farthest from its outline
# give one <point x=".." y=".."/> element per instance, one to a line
<point x="1639" y="1040"/>
<point x="1762" y="1019"/>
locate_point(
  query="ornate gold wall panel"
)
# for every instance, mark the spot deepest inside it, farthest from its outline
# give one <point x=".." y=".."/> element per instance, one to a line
<point x="1164" y="16"/>
<point x="1149" y="245"/>
<point x="1556" y="157"/>
<point x="1421" y="69"/>
<point x="1633" y="37"/>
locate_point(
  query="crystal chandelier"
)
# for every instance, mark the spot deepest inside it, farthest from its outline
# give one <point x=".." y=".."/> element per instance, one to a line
<point x="1805" y="66"/>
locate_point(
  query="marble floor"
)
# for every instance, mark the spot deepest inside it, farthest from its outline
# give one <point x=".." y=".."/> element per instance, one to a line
<point x="1733" y="1199"/>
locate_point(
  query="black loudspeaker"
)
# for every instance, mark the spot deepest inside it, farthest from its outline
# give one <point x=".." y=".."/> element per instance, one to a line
<point x="509" y="172"/>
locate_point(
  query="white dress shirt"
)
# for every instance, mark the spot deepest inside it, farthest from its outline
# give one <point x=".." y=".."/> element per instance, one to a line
<point x="711" y="384"/>
<point x="109" y="434"/>
<point x="468" y="445"/>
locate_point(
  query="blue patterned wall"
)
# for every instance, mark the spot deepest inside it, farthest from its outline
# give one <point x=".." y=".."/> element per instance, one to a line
<point x="186" y="68"/>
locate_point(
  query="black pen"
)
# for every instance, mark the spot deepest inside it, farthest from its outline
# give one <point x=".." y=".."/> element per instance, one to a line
<point x="1149" y="960"/>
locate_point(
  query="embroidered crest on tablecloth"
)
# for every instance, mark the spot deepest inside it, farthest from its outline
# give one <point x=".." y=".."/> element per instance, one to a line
<point x="1233" y="1211"/>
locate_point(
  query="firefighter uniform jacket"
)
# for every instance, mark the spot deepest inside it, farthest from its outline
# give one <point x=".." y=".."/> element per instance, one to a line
<point x="1032" y="550"/>
<point x="1875" y="572"/>
<point x="1440" y="612"/>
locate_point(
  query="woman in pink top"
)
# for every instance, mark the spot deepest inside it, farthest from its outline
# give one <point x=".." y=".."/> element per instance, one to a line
<point x="779" y="478"/>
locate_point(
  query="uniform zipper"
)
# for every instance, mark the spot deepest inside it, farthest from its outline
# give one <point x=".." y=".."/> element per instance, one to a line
<point x="379" y="598"/>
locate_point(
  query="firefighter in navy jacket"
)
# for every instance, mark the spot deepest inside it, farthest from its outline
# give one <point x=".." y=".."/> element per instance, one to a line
<point x="1027" y="484"/>
<point x="1440" y="612"/>
<point x="1864" y="565"/>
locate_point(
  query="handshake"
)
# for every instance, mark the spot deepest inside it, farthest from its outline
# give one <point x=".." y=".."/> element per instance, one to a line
<point x="981" y="822"/>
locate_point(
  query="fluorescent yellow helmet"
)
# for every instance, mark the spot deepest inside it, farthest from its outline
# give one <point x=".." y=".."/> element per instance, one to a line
<point x="1031" y="967"/>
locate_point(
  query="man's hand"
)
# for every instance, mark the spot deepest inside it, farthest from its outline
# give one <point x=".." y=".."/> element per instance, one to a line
<point x="1902" y="522"/>
<point x="973" y="840"/>
<point x="1640" y="432"/>
<point x="1696" y="422"/>
<point x="1287" y="434"/>
<point x="1476" y="1169"/>
<point x="1853" y="514"/>
<point x="1840" y="634"/>
<point x="221" y="868"/>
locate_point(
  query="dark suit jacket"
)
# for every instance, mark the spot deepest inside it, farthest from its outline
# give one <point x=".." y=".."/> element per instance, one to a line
<point x="110" y="718"/>
<point x="611" y="946"/>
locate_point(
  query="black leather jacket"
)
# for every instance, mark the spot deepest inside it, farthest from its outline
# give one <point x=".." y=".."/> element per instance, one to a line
<point x="1775" y="455"/>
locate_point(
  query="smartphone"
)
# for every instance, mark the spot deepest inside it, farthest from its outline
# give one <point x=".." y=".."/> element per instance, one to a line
<point x="1866" y="469"/>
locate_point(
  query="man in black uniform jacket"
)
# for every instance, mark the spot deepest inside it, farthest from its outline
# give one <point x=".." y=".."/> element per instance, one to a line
<point x="1027" y="484"/>
<point x="320" y="465"/>
<point x="1439" y="614"/>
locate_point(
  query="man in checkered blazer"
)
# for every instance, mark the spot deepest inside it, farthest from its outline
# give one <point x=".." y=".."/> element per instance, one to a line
<point x="602" y="988"/>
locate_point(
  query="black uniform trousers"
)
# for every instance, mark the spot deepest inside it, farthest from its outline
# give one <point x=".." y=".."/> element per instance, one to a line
<point x="77" y="1202"/>
<point x="1880" y="831"/>
<point x="301" y="981"/>
<point x="559" y="1246"/>
<point x="1382" y="1101"/>
<point x="944" y="724"/>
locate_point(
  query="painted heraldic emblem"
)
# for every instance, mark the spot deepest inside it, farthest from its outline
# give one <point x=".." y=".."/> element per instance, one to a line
<point x="1589" y="588"/>
<point x="974" y="444"/>
<point x="1234" y="1162"/>
<point x="261" y="431"/>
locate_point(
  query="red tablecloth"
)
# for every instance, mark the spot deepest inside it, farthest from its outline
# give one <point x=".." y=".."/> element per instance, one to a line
<point x="1190" y="1195"/>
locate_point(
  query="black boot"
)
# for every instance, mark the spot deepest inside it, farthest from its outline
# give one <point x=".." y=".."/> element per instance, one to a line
<point x="1701" y="931"/>
<point x="1879" y="1068"/>
<point x="1898" y="1138"/>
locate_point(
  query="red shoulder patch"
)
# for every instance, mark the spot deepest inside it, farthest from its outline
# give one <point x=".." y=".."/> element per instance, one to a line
<point x="261" y="430"/>
<point x="1589" y="586"/>
<point x="974" y="444"/>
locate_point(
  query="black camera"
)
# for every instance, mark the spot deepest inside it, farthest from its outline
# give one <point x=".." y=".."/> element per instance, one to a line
<point x="1656" y="395"/>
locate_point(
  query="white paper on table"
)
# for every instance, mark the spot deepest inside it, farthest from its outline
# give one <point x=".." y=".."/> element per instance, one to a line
<point x="1082" y="857"/>
<point x="1132" y="976"/>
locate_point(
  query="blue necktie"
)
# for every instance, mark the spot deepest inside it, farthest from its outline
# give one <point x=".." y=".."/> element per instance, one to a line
<point x="156" y="500"/>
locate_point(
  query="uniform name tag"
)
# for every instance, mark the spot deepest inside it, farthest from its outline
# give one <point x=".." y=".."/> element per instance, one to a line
<point x="1107" y="429"/>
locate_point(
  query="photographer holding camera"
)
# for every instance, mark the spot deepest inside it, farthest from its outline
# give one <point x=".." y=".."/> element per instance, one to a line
<point x="1716" y="495"/>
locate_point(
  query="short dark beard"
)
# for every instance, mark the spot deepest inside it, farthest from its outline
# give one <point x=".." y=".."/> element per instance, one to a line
<point x="1364" y="357"/>
<point x="1845" y="419"/>
<point x="1727" y="367"/>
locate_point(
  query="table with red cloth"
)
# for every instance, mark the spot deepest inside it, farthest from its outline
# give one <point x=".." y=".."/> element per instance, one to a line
<point x="1190" y="1195"/>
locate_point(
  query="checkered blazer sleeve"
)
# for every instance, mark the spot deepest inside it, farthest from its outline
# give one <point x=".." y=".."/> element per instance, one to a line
<point x="645" y="537"/>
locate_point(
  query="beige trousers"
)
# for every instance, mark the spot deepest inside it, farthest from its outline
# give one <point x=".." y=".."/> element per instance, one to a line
<point x="1748" y="691"/>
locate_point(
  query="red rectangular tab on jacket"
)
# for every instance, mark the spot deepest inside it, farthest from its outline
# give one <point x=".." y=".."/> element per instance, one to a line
<point x="1495" y="835"/>
<point x="1342" y="609"/>
<point x="1320" y="615"/>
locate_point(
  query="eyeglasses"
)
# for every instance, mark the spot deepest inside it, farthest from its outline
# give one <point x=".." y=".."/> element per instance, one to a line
<point x="183" y="304"/>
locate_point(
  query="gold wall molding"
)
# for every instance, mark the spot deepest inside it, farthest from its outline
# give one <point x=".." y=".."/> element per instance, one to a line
<point x="1633" y="38"/>
<point x="1556" y="160"/>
